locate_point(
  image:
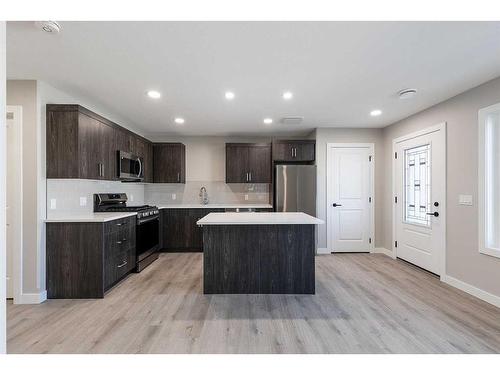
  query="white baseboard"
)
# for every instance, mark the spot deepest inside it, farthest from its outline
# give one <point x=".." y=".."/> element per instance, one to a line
<point x="383" y="250"/>
<point x="323" y="250"/>
<point x="31" y="298"/>
<point x="476" y="292"/>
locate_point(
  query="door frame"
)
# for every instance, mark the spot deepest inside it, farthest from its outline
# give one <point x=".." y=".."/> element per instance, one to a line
<point x="432" y="129"/>
<point x="371" y="169"/>
<point x="17" y="269"/>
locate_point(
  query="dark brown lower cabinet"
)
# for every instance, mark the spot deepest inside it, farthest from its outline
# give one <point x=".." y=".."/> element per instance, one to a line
<point x="84" y="260"/>
<point x="179" y="232"/>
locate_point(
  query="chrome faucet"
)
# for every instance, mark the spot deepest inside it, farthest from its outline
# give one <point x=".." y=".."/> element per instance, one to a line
<point x="203" y="195"/>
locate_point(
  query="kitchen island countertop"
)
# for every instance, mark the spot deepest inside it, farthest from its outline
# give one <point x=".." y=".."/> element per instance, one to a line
<point x="258" y="218"/>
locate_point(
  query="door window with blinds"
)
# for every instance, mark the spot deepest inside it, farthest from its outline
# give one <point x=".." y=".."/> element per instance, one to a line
<point x="489" y="180"/>
<point x="417" y="189"/>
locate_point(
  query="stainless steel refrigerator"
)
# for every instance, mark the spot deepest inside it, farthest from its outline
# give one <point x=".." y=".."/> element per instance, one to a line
<point x="295" y="188"/>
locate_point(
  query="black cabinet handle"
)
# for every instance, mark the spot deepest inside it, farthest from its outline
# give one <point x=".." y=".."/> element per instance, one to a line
<point x="336" y="205"/>
<point x="435" y="214"/>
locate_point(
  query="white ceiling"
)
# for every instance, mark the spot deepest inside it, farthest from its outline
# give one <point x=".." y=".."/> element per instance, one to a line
<point x="338" y="71"/>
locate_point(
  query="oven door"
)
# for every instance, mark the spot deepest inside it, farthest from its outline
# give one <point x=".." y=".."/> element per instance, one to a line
<point x="130" y="167"/>
<point x="147" y="237"/>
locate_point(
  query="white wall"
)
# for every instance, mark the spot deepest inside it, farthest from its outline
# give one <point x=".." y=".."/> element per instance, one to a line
<point x="345" y="135"/>
<point x="206" y="156"/>
<point x="24" y="93"/>
<point x="3" y="192"/>
<point x="463" y="260"/>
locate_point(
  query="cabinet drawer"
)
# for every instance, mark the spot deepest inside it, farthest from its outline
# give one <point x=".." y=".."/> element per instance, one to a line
<point x="119" y="225"/>
<point x="118" y="266"/>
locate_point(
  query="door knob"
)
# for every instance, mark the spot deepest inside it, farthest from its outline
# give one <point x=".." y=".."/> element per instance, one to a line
<point x="435" y="213"/>
<point x="336" y="205"/>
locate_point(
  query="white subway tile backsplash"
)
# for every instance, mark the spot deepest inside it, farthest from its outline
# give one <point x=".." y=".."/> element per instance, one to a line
<point x="218" y="192"/>
<point x="76" y="197"/>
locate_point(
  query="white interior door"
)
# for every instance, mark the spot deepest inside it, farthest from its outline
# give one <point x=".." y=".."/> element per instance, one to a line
<point x="14" y="196"/>
<point x="350" y="198"/>
<point x="419" y="204"/>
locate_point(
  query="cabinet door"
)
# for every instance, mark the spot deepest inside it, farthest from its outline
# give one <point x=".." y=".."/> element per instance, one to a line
<point x="149" y="175"/>
<point x="89" y="132"/>
<point x="125" y="141"/>
<point x="175" y="229"/>
<point x="237" y="164"/>
<point x="283" y="151"/>
<point x="180" y="231"/>
<point x="259" y="164"/>
<point x="305" y="151"/>
<point x="301" y="150"/>
<point x="62" y="144"/>
<point x="107" y="153"/>
<point x="169" y="163"/>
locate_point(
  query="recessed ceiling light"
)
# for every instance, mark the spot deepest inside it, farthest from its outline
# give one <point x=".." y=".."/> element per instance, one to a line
<point x="154" y="94"/>
<point x="179" y="120"/>
<point x="407" y="93"/>
<point x="375" y="112"/>
<point x="268" y="121"/>
<point x="229" y="95"/>
<point x="287" y="95"/>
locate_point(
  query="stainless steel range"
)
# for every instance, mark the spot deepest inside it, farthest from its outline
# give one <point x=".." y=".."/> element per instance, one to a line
<point x="147" y="225"/>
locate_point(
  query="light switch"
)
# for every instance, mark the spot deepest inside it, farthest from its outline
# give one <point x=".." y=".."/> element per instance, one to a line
<point x="131" y="197"/>
<point x="83" y="201"/>
<point x="174" y="196"/>
<point x="53" y="204"/>
<point x="465" y="200"/>
<point x="246" y="197"/>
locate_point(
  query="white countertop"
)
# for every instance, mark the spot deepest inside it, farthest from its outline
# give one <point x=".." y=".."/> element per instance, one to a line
<point x="258" y="218"/>
<point x="215" y="205"/>
<point x="98" y="217"/>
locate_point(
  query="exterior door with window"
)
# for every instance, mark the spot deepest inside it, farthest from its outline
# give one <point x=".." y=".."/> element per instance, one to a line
<point x="419" y="202"/>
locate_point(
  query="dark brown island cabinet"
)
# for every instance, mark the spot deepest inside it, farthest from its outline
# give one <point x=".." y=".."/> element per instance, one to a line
<point x="169" y="162"/>
<point x="83" y="144"/>
<point x="84" y="260"/>
<point x="248" y="163"/>
<point x="294" y="150"/>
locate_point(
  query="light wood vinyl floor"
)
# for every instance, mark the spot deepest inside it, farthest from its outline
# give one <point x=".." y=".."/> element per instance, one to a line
<point x="364" y="303"/>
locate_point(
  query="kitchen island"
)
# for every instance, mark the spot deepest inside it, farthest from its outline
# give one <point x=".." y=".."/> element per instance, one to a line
<point x="259" y="253"/>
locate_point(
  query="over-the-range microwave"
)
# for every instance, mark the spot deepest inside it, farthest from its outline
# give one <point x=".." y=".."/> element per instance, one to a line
<point x="130" y="167"/>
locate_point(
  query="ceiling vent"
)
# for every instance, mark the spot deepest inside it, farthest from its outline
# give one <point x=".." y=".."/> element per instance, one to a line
<point x="292" y="120"/>
<point x="407" y="94"/>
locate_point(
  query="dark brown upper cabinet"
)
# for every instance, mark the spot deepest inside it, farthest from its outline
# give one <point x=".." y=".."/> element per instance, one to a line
<point x="79" y="144"/>
<point x="83" y="144"/>
<point x="169" y="162"/>
<point x="294" y="150"/>
<point x="144" y="150"/>
<point x="248" y="163"/>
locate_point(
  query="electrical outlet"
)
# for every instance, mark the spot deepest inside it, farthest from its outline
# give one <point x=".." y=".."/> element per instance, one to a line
<point x="174" y="196"/>
<point x="83" y="201"/>
<point x="53" y="204"/>
<point x="131" y="197"/>
<point x="246" y="197"/>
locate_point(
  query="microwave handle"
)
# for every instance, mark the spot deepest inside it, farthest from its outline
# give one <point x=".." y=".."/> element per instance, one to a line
<point x="140" y="167"/>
